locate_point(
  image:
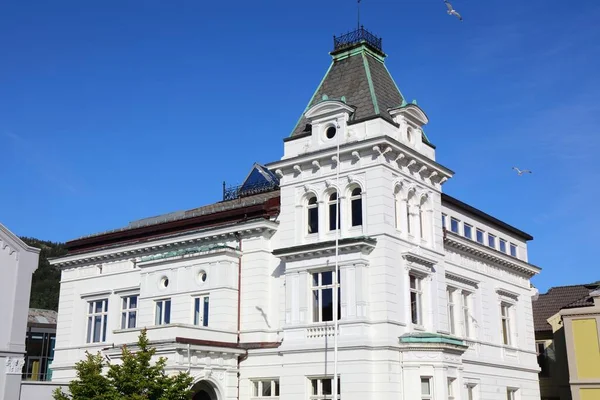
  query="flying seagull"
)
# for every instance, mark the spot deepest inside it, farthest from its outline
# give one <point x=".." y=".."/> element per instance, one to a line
<point x="521" y="172"/>
<point x="452" y="11"/>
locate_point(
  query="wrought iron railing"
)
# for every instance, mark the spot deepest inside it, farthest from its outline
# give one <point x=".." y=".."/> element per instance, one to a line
<point x="358" y="36"/>
<point x="235" y="192"/>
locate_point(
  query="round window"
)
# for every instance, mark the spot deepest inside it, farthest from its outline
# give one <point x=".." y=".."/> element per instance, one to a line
<point x="202" y="276"/>
<point x="164" y="282"/>
<point x="330" y="132"/>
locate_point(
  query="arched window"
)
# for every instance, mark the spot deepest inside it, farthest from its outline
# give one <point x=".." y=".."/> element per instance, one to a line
<point x="421" y="224"/>
<point x="334" y="218"/>
<point x="313" y="215"/>
<point x="356" y="206"/>
<point x="424" y="218"/>
<point x="409" y="200"/>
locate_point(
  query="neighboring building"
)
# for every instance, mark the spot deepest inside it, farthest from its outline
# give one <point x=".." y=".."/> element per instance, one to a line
<point x="435" y="295"/>
<point x="39" y="344"/>
<point x="18" y="262"/>
<point x="550" y="337"/>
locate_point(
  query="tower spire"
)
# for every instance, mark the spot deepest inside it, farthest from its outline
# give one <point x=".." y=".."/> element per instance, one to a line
<point x="358" y="13"/>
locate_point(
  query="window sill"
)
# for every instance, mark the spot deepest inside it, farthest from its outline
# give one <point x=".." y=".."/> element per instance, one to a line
<point x="418" y="327"/>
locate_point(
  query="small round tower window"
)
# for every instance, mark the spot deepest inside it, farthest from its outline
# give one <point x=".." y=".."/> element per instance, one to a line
<point x="330" y="132"/>
<point x="202" y="276"/>
<point x="164" y="282"/>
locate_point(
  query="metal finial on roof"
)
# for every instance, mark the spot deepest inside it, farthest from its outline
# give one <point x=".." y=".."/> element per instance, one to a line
<point x="325" y="97"/>
<point x="414" y="102"/>
<point x="343" y="99"/>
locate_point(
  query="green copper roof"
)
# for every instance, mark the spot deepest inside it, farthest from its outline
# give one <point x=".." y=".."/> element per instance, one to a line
<point x="427" y="337"/>
<point x="183" y="252"/>
<point x="359" y="75"/>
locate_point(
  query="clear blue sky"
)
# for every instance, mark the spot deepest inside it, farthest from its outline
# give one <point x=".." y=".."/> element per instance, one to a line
<point x="111" y="111"/>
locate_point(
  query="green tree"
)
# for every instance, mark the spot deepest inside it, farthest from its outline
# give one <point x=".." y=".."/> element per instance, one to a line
<point x="136" y="378"/>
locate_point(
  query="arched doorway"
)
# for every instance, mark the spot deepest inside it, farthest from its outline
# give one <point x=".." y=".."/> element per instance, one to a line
<point x="204" y="390"/>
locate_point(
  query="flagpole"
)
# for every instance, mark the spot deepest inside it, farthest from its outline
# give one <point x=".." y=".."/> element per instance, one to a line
<point x="336" y="278"/>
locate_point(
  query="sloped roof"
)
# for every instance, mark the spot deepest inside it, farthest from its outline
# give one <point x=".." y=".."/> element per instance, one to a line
<point x="38" y="316"/>
<point x="363" y="81"/>
<point x="556" y="299"/>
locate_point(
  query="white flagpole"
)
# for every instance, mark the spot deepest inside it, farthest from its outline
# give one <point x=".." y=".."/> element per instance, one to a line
<point x="336" y="278"/>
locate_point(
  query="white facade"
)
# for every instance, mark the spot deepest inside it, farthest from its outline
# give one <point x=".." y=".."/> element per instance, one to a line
<point x="425" y="312"/>
<point x="18" y="262"/>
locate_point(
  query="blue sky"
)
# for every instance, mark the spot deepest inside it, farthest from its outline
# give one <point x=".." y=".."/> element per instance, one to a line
<point x="111" y="111"/>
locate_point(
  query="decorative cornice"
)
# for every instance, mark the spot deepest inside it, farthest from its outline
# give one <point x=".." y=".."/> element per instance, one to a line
<point x="361" y="244"/>
<point x="461" y="279"/>
<point x="507" y="293"/>
<point x="190" y="252"/>
<point x="415" y="257"/>
<point x="161" y="245"/>
<point x="468" y="246"/>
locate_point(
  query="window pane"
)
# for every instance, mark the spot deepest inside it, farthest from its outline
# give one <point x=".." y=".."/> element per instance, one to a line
<point x="443" y="220"/>
<point x="491" y="240"/>
<point x="98" y="306"/>
<point x="315" y="386"/>
<point x="513" y="250"/>
<point x="276" y="388"/>
<point x="356" y="192"/>
<point x="315" y="279"/>
<point x="332" y="217"/>
<point x="413" y="282"/>
<point x="357" y="212"/>
<point x="327" y="389"/>
<point x="266" y="388"/>
<point x="425" y="386"/>
<point x="167" y="311"/>
<point x="89" y="329"/>
<point x="468" y="231"/>
<point x="454" y="225"/>
<point x="97" y="328"/>
<point x="505" y="331"/>
<point x="90" y="307"/>
<point x="123" y="320"/>
<point x="196" y="311"/>
<point x="206" y="306"/>
<point x="104" y="325"/>
<point x="327" y="304"/>
<point x="327" y="278"/>
<point x="255" y="389"/>
<point x="132" y="319"/>
<point x="315" y="306"/>
<point x="133" y="302"/>
<point x="124" y="303"/>
<point x="159" y="307"/>
<point x="479" y="236"/>
<point x="414" y="308"/>
<point x="313" y="220"/>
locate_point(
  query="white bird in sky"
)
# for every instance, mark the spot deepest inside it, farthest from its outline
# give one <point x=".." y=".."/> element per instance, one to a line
<point x="521" y="172"/>
<point x="451" y="10"/>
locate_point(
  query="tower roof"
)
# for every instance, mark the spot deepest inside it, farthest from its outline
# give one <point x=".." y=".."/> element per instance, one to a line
<point x="359" y="77"/>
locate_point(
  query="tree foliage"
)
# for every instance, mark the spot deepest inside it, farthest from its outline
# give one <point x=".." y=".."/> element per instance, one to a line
<point x="135" y="378"/>
<point x="45" y="284"/>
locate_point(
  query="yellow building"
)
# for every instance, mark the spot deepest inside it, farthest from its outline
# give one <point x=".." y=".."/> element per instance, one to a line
<point x="582" y="337"/>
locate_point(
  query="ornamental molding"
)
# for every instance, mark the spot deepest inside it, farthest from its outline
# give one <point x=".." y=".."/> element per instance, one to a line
<point x="462" y="279"/>
<point x="414" y="257"/>
<point x="363" y="245"/>
<point x="14" y="365"/>
<point x="507" y="293"/>
<point x="135" y="252"/>
<point x="493" y="256"/>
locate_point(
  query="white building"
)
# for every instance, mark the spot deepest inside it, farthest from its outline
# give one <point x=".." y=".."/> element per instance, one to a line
<point x="18" y="262"/>
<point x="240" y="292"/>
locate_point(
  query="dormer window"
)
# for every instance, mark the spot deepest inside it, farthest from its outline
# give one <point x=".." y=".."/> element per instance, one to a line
<point x="313" y="215"/>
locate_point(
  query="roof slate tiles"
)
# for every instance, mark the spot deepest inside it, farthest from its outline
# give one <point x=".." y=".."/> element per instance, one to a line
<point x="557" y="298"/>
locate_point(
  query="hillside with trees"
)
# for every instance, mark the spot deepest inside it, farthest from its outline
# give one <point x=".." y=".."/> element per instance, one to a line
<point x="45" y="285"/>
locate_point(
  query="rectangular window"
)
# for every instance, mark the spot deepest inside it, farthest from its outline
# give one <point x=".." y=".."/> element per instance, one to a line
<point x="426" y="392"/>
<point x="505" y="312"/>
<point x="513" y="249"/>
<point x="542" y="357"/>
<point x="335" y="219"/>
<point x="451" y="319"/>
<point x="97" y="321"/>
<point x="466" y="314"/>
<point x="129" y="306"/>
<point x="502" y="245"/>
<point x="491" y="240"/>
<point x="415" y="300"/>
<point x="454" y="225"/>
<point x="468" y="231"/>
<point x="322" y="388"/>
<point x="162" y="315"/>
<point x="511" y="394"/>
<point x="451" y="388"/>
<point x="201" y="307"/>
<point x="470" y="392"/>
<point x="480" y="236"/>
<point x="265" y="388"/>
<point x="444" y="221"/>
<point x="322" y="294"/>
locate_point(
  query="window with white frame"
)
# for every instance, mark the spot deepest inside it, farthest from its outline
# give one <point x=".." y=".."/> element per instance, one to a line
<point x="312" y="210"/>
<point x="511" y="394"/>
<point x="451" y="310"/>
<point x="513" y="249"/>
<point x="454" y="223"/>
<point x="416" y="294"/>
<point x="491" y="240"/>
<point x="466" y="313"/>
<point x="471" y="389"/>
<point x="322" y="296"/>
<point x="426" y="388"/>
<point x="332" y="206"/>
<point x="480" y="234"/>
<point x="266" y="388"/>
<point x="201" y="307"/>
<point x="97" y="321"/>
<point x="162" y="314"/>
<point x="322" y="388"/>
<point x="506" y="324"/>
<point x="129" y="307"/>
<point x="408" y="222"/>
<point x="451" y="388"/>
<point x="356" y="207"/>
<point x="468" y="231"/>
<point x="422" y="226"/>
<point x="444" y="220"/>
<point x="503" y="245"/>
